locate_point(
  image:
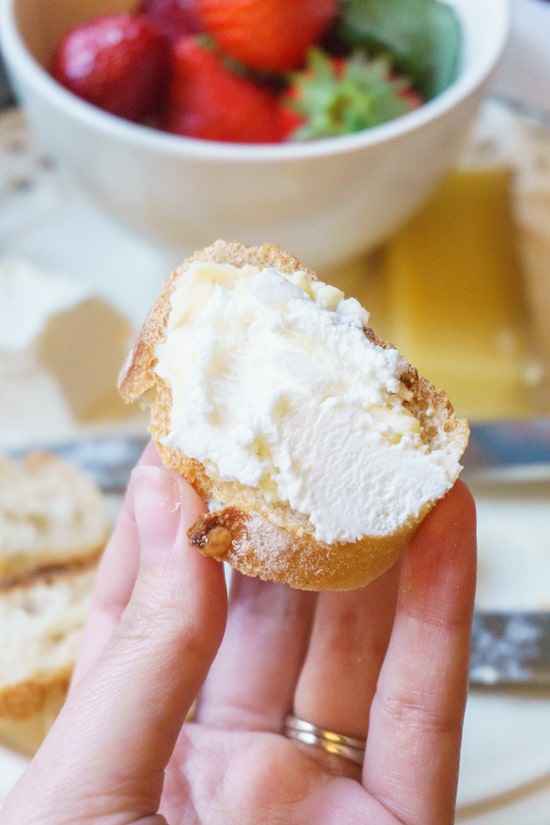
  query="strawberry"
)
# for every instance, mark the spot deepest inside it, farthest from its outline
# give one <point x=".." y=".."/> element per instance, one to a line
<point x="209" y="100"/>
<point x="269" y="35"/>
<point x="116" y="62"/>
<point x="335" y="95"/>
<point x="173" y="18"/>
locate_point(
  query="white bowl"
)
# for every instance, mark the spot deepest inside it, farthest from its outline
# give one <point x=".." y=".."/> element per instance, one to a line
<point x="327" y="201"/>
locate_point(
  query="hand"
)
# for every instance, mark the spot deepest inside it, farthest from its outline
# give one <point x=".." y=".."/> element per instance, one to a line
<point x="388" y="661"/>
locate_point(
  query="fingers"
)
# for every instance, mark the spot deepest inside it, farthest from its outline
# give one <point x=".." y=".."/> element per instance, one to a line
<point x="172" y="626"/>
<point x="251" y="683"/>
<point x="115" y="580"/>
<point x="272" y="663"/>
<point x="130" y="704"/>
<point x="411" y="762"/>
<point x="347" y="647"/>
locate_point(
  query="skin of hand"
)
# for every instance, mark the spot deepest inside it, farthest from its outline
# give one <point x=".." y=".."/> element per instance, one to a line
<point x="388" y="661"/>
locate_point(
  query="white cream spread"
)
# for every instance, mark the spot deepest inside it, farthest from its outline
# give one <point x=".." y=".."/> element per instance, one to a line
<point x="276" y="386"/>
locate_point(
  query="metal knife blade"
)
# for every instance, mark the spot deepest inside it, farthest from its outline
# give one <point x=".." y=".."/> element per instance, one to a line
<point x="108" y="459"/>
<point x="493" y="445"/>
<point x="508" y="444"/>
<point x="510" y="649"/>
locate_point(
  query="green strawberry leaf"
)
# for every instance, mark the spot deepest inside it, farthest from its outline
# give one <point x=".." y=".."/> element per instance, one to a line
<point x="334" y="97"/>
<point x="422" y="37"/>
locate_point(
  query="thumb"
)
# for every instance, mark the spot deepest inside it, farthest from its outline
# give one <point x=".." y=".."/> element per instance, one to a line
<point x="120" y="724"/>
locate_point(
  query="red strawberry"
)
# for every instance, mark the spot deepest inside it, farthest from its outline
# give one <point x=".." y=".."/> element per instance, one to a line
<point x="336" y="96"/>
<point x="116" y="62"/>
<point x="208" y="100"/>
<point x="173" y="18"/>
<point x="271" y="35"/>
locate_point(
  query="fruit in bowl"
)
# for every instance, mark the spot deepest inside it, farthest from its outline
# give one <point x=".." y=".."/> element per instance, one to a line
<point x="262" y="71"/>
<point x="328" y="199"/>
<point x="116" y="62"/>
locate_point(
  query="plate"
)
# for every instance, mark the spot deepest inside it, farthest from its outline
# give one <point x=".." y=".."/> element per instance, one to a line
<point x="506" y="744"/>
<point x="11" y="767"/>
<point x="505" y="765"/>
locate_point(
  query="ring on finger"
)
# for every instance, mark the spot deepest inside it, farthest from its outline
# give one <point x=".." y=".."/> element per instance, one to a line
<point x="338" y="744"/>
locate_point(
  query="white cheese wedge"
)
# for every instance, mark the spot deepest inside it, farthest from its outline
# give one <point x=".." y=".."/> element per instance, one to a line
<point x="61" y="348"/>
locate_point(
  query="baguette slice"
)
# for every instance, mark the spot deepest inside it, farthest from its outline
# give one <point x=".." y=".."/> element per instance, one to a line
<point x="50" y="514"/>
<point x="41" y="623"/>
<point x="253" y="533"/>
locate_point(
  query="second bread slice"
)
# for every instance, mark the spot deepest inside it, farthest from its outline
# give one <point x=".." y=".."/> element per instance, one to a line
<point x="51" y="514"/>
<point x="41" y="624"/>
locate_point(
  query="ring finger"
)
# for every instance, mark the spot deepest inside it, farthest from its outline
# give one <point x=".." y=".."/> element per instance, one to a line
<point x="347" y="646"/>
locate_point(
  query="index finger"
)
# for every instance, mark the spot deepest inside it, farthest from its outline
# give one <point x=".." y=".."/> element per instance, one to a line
<point x="116" y="576"/>
<point x="413" y="749"/>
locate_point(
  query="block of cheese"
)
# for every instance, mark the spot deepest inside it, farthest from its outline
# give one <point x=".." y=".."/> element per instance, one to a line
<point x="60" y="351"/>
<point x="455" y="296"/>
<point x="519" y="139"/>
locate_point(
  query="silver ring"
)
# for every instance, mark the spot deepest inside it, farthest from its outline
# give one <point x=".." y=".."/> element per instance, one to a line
<point x="338" y="744"/>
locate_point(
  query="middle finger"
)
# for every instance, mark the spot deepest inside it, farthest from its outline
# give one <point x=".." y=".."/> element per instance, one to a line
<point x="251" y="682"/>
<point x="347" y="647"/>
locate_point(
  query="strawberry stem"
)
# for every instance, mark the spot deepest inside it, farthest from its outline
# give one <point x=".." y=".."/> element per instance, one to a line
<point x="335" y="96"/>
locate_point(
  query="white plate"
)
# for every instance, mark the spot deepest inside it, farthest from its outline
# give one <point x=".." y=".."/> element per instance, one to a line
<point x="506" y="744"/>
<point x="11" y="767"/>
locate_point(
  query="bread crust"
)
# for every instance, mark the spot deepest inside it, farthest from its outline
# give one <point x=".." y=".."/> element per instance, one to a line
<point x="256" y="537"/>
<point x="42" y="620"/>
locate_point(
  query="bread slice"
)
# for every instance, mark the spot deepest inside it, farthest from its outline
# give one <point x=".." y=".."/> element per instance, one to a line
<point x="41" y="624"/>
<point x="51" y="513"/>
<point x="254" y="532"/>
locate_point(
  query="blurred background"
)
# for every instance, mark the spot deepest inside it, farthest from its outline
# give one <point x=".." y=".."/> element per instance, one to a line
<point x="462" y="288"/>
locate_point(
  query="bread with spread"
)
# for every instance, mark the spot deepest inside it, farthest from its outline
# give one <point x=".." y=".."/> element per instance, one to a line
<point x="318" y="448"/>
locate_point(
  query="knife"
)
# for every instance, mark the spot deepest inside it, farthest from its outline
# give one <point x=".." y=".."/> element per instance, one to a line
<point x="508" y="444"/>
<point x="107" y="459"/>
<point x="510" y="649"/>
<point x="493" y="445"/>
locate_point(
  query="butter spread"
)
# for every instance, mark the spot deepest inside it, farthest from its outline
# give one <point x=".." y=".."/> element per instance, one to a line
<point x="275" y="385"/>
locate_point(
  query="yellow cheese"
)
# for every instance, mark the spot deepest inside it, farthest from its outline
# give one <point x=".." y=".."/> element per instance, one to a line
<point x="455" y="296"/>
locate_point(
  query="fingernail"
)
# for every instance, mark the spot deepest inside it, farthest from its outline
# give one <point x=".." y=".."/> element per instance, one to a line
<point x="157" y="503"/>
